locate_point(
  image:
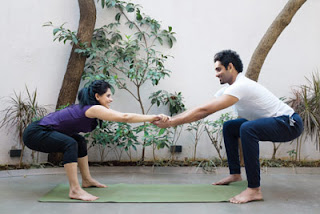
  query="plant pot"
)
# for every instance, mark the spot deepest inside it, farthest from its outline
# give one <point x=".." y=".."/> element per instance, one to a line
<point x="15" y="153"/>
<point x="175" y="148"/>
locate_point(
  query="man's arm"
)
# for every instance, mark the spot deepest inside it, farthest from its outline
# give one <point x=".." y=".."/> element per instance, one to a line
<point x="200" y="112"/>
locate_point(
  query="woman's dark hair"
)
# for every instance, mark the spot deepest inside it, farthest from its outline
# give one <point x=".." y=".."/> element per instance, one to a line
<point x="86" y="96"/>
<point x="229" y="56"/>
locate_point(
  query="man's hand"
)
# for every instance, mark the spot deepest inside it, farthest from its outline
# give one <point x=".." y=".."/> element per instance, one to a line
<point x="164" y="122"/>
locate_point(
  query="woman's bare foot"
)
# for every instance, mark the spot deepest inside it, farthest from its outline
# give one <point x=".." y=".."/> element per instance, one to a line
<point x="229" y="179"/>
<point x="80" y="194"/>
<point x="92" y="183"/>
<point x="250" y="194"/>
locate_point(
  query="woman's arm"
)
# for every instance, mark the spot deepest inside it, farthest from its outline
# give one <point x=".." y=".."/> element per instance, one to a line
<point x="103" y="113"/>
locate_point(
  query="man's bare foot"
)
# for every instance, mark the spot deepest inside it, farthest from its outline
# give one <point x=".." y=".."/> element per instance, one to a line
<point x="80" y="194"/>
<point x="250" y="194"/>
<point x="229" y="179"/>
<point x="92" y="183"/>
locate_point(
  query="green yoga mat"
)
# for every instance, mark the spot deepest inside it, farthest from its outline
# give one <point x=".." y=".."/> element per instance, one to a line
<point x="152" y="193"/>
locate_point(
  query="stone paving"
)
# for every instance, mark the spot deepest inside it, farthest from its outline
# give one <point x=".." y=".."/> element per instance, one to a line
<point x="285" y="190"/>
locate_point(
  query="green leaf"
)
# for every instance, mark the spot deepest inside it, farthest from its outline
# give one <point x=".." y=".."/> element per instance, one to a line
<point x="74" y="39"/>
<point x="117" y="17"/>
<point x="47" y="24"/>
<point x="130" y="7"/>
<point x="103" y="3"/>
<point x="161" y="131"/>
<point x="170" y="42"/>
<point x="160" y="40"/>
<point x="56" y="30"/>
<point x="138" y="15"/>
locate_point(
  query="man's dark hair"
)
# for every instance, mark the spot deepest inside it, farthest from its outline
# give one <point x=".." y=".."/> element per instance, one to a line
<point x="229" y="56"/>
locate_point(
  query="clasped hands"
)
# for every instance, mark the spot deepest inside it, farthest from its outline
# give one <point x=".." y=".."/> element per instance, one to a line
<point x="162" y="121"/>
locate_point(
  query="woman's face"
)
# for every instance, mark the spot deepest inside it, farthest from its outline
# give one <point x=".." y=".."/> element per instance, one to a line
<point x="105" y="99"/>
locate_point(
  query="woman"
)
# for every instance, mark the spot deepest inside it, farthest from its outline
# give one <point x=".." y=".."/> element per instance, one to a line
<point x="58" y="132"/>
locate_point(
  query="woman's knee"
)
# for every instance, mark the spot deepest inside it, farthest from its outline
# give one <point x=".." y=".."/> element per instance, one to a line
<point x="32" y="136"/>
<point x="82" y="145"/>
<point x="70" y="151"/>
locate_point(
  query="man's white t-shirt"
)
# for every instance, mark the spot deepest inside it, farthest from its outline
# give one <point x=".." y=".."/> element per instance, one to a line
<point x="255" y="101"/>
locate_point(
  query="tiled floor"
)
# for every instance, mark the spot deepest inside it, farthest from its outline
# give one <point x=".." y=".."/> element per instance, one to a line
<point x="285" y="190"/>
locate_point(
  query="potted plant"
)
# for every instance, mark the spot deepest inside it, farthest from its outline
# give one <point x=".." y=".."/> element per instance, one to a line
<point x="15" y="152"/>
<point x="18" y="115"/>
<point x="175" y="133"/>
<point x="305" y="101"/>
<point x="176" y="105"/>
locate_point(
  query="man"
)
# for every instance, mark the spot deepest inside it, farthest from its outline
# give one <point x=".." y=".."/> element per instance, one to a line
<point x="262" y="117"/>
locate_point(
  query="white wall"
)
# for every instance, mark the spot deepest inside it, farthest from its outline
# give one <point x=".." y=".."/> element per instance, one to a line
<point x="203" y="27"/>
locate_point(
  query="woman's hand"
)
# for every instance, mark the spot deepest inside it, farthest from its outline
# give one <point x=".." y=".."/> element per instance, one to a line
<point x="162" y="121"/>
<point x="161" y="118"/>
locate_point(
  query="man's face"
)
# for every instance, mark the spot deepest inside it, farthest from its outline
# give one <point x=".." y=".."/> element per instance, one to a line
<point x="222" y="73"/>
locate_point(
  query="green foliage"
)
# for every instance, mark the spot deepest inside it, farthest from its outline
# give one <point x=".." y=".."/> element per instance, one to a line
<point x="292" y="153"/>
<point x="175" y="101"/>
<point x="62" y="34"/>
<point x="176" y="105"/>
<point x="111" y="53"/>
<point x="122" y="136"/>
<point x="129" y="59"/>
<point x="103" y="134"/>
<point x="214" y="131"/>
<point x="196" y="129"/>
<point x="114" y="135"/>
<point x="288" y="163"/>
<point x="154" y="136"/>
<point x="122" y="59"/>
<point x="306" y="102"/>
<point x="112" y="56"/>
<point x="125" y="136"/>
<point x="133" y="56"/>
<point x="20" y="113"/>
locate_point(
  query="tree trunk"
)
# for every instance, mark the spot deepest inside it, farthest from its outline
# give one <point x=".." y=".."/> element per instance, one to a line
<point x="271" y="36"/>
<point x="72" y="77"/>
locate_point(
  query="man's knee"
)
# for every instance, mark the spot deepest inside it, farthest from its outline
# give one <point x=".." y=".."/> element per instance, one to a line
<point x="248" y="133"/>
<point x="249" y="126"/>
<point x="228" y="125"/>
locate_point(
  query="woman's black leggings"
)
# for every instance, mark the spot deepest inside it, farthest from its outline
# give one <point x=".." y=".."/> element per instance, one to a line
<point x="45" y="139"/>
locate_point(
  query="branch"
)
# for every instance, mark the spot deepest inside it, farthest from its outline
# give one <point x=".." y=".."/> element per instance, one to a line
<point x="125" y="88"/>
<point x="271" y="36"/>
<point x="125" y="15"/>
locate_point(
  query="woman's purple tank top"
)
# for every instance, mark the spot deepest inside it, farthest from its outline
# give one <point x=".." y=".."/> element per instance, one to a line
<point x="70" y="120"/>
